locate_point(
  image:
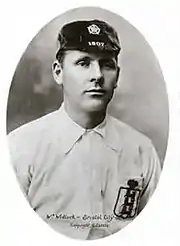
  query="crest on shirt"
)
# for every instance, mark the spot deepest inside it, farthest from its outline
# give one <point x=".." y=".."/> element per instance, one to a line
<point x="93" y="29"/>
<point x="127" y="200"/>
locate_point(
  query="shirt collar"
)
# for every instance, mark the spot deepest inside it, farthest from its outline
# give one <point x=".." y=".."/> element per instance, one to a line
<point x="70" y="132"/>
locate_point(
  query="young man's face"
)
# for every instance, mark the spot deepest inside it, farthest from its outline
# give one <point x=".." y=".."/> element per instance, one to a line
<point x="88" y="80"/>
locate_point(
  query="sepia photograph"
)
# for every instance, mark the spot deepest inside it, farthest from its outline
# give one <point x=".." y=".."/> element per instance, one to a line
<point x="88" y="123"/>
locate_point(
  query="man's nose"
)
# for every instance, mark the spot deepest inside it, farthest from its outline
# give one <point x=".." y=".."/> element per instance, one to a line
<point x="96" y="73"/>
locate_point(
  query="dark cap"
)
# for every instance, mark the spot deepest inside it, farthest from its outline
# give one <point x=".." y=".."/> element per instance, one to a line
<point x="89" y="36"/>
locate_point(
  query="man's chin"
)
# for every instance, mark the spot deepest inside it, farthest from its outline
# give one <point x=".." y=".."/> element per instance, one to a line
<point x="95" y="105"/>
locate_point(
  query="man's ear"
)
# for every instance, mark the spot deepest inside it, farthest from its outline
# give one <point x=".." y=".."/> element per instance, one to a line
<point x="118" y="71"/>
<point x="117" y="76"/>
<point x="57" y="72"/>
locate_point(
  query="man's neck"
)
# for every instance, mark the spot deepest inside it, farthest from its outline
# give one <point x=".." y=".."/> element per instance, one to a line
<point x="87" y="120"/>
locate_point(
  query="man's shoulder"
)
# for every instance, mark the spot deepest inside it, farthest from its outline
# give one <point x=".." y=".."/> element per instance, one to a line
<point x="128" y="134"/>
<point x="33" y="129"/>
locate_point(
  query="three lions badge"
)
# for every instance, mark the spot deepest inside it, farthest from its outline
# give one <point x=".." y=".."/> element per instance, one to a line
<point x="127" y="200"/>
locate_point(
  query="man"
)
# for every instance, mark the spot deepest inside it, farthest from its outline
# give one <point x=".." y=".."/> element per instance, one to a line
<point x="84" y="172"/>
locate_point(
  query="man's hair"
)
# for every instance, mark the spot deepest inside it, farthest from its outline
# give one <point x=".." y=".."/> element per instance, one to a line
<point x="60" y="56"/>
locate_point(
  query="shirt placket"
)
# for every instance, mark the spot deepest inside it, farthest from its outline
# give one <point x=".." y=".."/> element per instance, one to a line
<point x="87" y="164"/>
<point x="92" y="161"/>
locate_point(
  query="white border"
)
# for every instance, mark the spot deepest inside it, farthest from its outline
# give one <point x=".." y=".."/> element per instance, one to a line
<point x="158" y="22"/>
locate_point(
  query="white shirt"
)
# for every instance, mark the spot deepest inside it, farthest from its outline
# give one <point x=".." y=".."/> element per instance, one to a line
<point x="77" y="179"/>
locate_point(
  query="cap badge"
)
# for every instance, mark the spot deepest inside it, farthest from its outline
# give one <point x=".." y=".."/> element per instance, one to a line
<point x="93" y="29"/>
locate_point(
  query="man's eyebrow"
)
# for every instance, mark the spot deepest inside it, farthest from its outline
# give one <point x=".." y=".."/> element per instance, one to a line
<point x="101" y="59"/>
<point x="83" y="58"/>
<point x="107" y="59"/>
<point x="110" y="60"/>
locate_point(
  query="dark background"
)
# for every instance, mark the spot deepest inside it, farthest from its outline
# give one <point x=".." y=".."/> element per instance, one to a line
<point x="140" y="99"/>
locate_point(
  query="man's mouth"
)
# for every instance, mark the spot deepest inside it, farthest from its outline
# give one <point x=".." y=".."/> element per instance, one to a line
<point x="95" y="91"/>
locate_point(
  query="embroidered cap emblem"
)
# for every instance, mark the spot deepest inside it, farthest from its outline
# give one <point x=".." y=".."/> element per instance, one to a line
<point x="127" y="200"/>
<point x="93" y="29"/>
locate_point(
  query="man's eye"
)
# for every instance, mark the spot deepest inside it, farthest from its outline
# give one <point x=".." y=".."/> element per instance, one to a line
<point x="84" y="63"/>
<point x="108" y="64"/>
